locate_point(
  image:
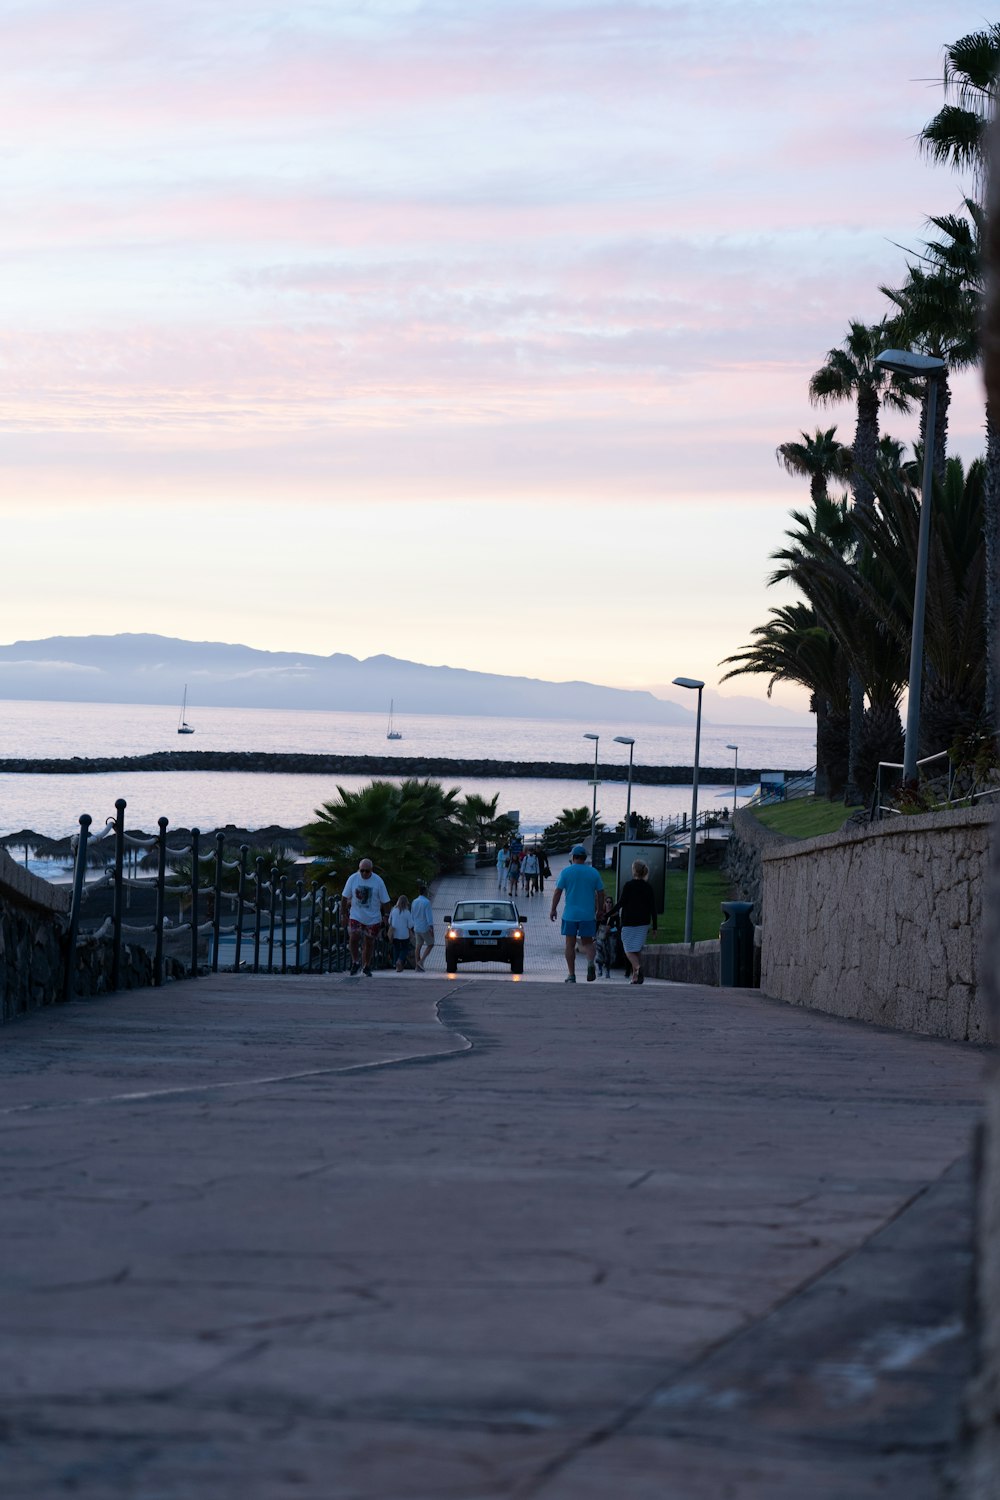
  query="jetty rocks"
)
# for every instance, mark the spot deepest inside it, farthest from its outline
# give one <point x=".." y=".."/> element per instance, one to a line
<point x="285" y="764"/>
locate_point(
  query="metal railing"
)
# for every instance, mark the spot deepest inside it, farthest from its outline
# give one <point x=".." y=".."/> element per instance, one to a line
<point x="880" y="809"/>
<point x="275" y="926"/>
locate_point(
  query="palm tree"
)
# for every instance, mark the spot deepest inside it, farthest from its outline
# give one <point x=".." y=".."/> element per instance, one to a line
<point x="379" y="822"/>
<point x="819" y="459"/>
<point x="850" y="373"/>
<point x="956" y="135"/>
<point x="793" y="646"/>
<point x="480" y="815"/>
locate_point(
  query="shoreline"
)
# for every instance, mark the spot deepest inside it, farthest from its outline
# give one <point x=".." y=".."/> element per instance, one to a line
<point x="293" y="763"/>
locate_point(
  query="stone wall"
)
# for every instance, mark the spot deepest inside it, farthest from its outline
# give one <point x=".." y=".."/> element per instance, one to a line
<point x="882" y="924"/>
<point x="698" y="964"/>
<point x="34" y="922"/>
<point x="748" y="843"/>
<point x="34" y="931"/>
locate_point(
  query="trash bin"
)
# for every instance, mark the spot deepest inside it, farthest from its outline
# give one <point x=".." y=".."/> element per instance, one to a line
<point x="469" y="864"/>
<point x="736" y="945"/>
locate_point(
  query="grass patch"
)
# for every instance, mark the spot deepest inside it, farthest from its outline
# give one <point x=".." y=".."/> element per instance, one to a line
<point x="711" y="888"/>
<point x="804" y="817"/>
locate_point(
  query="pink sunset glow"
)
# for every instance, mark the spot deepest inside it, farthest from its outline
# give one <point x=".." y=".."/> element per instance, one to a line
<point x="443" y="307"/>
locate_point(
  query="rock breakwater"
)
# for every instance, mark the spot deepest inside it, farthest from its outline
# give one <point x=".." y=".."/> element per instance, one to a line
<point x="285" y="764"/>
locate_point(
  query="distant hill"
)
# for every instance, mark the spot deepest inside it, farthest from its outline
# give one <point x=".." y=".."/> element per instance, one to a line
<point x="734" y="708"/>
<point x="155" y="669"/>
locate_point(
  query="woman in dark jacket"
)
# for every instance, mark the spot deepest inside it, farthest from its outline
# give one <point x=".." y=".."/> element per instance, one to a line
<point x="636" y="906"/>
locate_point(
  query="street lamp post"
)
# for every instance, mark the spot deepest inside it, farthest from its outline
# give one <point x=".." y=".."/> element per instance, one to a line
<point x="593" y="812"/>
<point x="930" y="368"/>
<point x="624" y="739"/>
<point x="736" y="772"/>
<point x="692" y="682"/>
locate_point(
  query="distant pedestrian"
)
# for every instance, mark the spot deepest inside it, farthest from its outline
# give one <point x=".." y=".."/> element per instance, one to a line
<point x="401" y="928"/>
<point x="583" y="885"/>
<point x="529" y="872"/>
<point x="423" y="926"/>
<point x="363" y="905"/>
<point x="513" y="874"/>
<point x="544" y="868"/>
<point x="637" y="905"/>
<point x="502" y="858"/>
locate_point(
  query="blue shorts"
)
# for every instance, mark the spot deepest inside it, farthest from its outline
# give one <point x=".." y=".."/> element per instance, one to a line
<point x="579" y="929"/>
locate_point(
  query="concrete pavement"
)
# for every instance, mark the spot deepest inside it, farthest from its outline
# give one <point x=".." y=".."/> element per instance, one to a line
<point x="420" y="1239"/>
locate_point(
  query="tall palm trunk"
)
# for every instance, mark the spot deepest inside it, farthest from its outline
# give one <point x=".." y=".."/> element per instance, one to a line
<point x="865" y="456"/>
<point x="991" y="537"/>
<point x="940" y="455"/>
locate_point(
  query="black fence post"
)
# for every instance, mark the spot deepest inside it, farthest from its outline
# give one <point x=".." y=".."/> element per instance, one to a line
<point x="283" y="887"/>
<point x="240" y="897"/>
<point x="322" y="926"/>
<point x="195" y="913"/>
<point x="220" y="839"/>
<point x="272" y="906"/>
<point x="259" y="868"/>
<point x="312" y="924"/>
<point x="299" y="891"/>
<point x="79" y="876"/>
<point x="118" y="892"/>
<point x="161" y="898"/>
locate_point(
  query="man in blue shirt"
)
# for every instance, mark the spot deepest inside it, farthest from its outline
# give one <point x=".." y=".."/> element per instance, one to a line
<point x="582" y="885"/>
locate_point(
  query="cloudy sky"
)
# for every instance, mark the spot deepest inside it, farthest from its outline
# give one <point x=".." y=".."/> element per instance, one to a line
<point x="462" y="330"/>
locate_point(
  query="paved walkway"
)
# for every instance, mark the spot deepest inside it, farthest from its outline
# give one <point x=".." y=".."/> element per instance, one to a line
<point x="448" y="1240"/>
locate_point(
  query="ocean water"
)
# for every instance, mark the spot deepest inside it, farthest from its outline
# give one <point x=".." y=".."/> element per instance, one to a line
<point x="52" y="805"/>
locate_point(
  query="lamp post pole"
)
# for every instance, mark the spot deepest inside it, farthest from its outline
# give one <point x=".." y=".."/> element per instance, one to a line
<point x="696" y="685"/>
<point x="593" y="812"/>
<point x="736" y="771"/>
<point x="624" y="739"/>
<point x="908" y="362"/>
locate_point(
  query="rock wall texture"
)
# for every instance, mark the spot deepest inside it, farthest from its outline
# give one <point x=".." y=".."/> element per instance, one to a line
<point x="748" y="843"/>
<point x="374" y="765"/>
<point x="883" y="924"/>
<point x="34" y="921"/>
<point x="34" y="932"/>
<point x="681" y="964"/>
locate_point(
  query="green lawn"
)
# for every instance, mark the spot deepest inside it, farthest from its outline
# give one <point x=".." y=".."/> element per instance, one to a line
<point x="711" y="888"/>
<point x="804" y="817"/>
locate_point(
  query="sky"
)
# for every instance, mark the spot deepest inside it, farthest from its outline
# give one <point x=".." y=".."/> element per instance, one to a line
<point x="463" y="331"/>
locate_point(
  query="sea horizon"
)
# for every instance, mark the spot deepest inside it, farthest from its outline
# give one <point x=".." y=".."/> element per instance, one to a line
<point x="51" y="804"/>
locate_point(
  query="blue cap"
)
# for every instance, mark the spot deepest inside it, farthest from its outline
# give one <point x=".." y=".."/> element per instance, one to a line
<point x="577" y="850"/>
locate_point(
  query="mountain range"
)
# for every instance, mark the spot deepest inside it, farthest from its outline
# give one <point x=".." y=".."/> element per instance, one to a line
<point x="134" y="668"/>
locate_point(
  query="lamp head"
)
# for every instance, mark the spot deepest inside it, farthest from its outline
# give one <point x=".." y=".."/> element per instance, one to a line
<point x="909" y="362"/>
<point x="592" y="736"/>
<point x="624" y="739"/>
<point x="732" y="747"/>
<point x="688" y="682"/>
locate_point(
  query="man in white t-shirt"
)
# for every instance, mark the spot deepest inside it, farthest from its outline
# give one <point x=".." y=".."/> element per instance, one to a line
<point x="363" y="905"/>
<point x="423" y="926"/>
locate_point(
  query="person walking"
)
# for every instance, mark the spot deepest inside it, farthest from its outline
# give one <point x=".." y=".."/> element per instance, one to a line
<point x="637" y="905"/>
<point x="513" y="875"/>
<point x="401" y="928"/>
<point x="363" y="905"/>
<point x="544" y="868"/>
<point x="529" y="870"/>
<point x="583" y="886"/>
<point x="423" y="927"/>
<point x="501" y="869"/>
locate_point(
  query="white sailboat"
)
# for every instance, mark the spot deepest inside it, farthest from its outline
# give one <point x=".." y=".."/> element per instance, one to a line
<point x="392" y="734"/>
<point x="183" y="727"/>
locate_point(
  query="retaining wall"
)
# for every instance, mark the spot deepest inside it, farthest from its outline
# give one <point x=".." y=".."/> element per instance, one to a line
<point x="34" y="922"/>
<point x="698" y="964"/>
<point x="882" y="924"/>
<point x="34" y="930"/>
